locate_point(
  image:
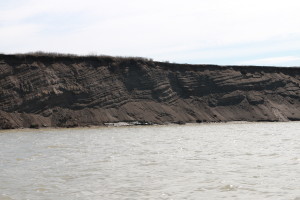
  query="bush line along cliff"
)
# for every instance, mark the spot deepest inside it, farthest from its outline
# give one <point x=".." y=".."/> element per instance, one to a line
<point x="69" y="91"/>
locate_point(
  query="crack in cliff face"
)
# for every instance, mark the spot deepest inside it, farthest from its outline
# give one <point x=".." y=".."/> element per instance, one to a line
<point x="62" y="91"/>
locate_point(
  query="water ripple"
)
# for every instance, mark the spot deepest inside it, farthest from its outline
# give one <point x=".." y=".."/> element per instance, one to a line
<point x="210" y="161"/>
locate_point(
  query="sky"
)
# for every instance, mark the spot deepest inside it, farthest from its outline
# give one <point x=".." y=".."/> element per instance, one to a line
<point x="224" y="32"/>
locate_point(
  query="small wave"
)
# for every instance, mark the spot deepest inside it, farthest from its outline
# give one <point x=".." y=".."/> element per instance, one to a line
<point x="41" y="190"/>
<point x="5" y="197"/>
<point x="229" y="187"/>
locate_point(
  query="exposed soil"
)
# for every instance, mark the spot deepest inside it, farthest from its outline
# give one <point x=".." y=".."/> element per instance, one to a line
<point x="70" y="91"/>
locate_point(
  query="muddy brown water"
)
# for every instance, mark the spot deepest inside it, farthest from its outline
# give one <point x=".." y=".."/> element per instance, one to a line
<point x="209" y="161"/>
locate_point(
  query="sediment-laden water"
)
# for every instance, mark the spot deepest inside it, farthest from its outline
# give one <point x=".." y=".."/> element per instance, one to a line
<point x="209" y="161"/>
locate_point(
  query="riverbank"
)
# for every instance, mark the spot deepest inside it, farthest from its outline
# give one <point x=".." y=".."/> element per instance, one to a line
<point x="51" y="90"/>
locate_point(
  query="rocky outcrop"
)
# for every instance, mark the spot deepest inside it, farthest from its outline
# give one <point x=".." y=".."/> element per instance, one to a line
<point x="69" y="91"/>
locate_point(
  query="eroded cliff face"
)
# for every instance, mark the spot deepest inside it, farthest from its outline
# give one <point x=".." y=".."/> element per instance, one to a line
<point x="68" y="91"/>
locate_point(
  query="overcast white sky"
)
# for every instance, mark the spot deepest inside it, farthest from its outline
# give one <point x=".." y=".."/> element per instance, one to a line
<point x="255" y="32"/>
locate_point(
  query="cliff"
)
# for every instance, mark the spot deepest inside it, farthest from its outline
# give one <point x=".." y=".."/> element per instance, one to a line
<point x="67" y="91"/>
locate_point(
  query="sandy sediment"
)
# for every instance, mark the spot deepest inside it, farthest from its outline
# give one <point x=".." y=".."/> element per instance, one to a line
<point x="73" y="91"/>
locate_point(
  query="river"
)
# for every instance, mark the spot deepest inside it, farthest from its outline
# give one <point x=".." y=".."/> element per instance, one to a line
<point x="196" y="161"/>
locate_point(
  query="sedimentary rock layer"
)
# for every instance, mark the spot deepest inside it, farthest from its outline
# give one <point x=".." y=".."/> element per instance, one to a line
<point x="68" y="91"/>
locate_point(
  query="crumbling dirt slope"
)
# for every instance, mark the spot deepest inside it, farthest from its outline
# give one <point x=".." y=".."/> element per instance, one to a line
<point x="69" y="91"/>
